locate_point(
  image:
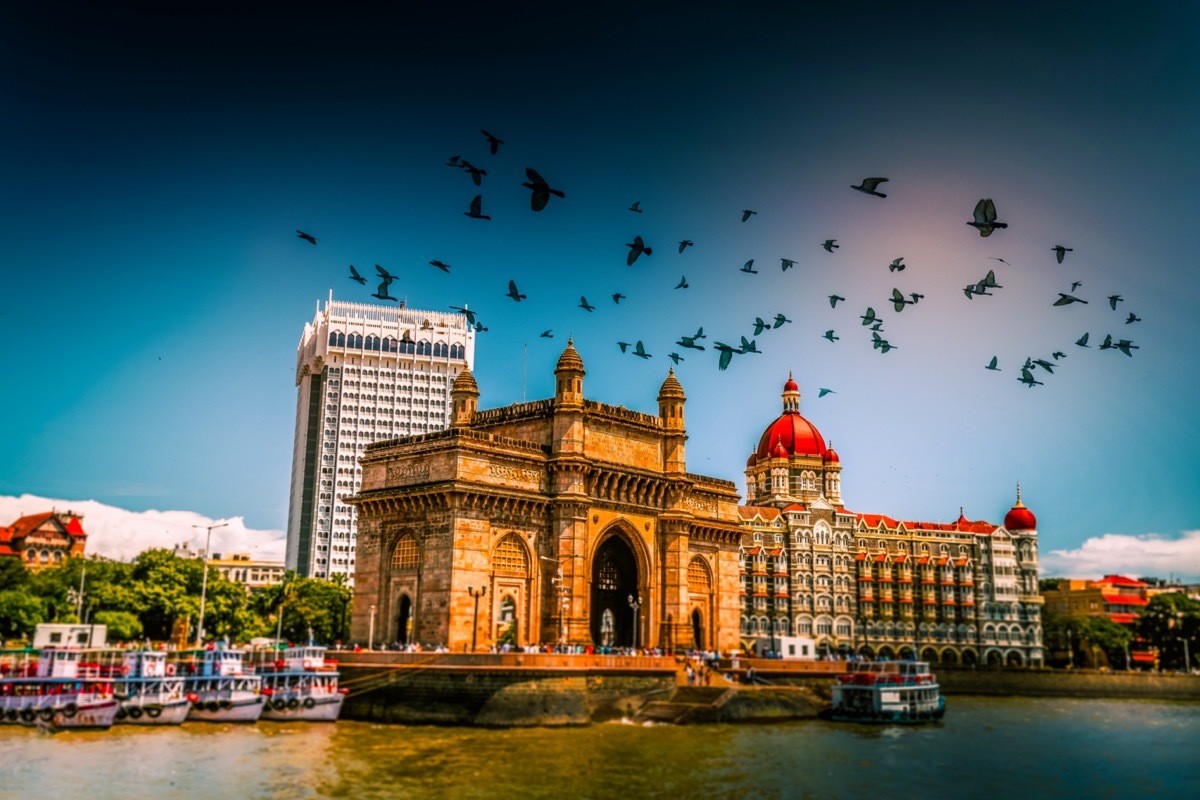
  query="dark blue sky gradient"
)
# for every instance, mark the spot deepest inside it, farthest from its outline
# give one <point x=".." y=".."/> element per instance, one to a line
<point x="157" y="163"/>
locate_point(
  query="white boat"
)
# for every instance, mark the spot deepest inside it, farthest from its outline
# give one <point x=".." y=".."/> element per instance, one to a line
<point x="300" y="684"/>
<point x="62" y="688"/>
<point x="887" y="691"/>
<point x="219" y="686"/>
<point x="149" y="690"/>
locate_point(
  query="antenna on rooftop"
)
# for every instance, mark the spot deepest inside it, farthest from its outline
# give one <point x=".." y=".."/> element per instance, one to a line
<point x="524" y="367"/>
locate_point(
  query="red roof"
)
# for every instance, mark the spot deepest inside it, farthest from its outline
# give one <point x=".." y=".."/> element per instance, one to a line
<point x="1123" y="619"/>
<point x="1124" y="599"/>
<point x="795" y="507"/>
<point x="1120" y="580"/>
<point x="873" y="520"/>
<point x="1020" y="518"/>
<point x="753" y="551"/>
<point x="831" y="456"/>
<point x="75" y="528"/>
<point x="796" y="436"/>
<point x="766" y="513"/>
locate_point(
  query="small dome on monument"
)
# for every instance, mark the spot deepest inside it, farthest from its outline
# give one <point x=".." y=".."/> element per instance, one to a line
<point x="798" y="436"/>
<point x="671" y="387"/>
<point x="569" y="360"/>
<point x="779" y="451"/>
<point x="465" y="382"/>
<point x="752" y="460"/>
<point x="1020" y="518"/>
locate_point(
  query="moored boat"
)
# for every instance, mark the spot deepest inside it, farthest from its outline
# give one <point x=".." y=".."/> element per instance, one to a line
<point x="904" y="692"/>
<point x="150" y="691"/>
<point x="62" y="688"/>
<point x="220" y="687"/>
<point x="299" y="683"/>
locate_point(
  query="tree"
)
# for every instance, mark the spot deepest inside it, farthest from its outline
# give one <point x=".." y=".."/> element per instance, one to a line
<point x="20" y="613"/>
<point x="1168" y="621"/>
<point x="122" y="626"/>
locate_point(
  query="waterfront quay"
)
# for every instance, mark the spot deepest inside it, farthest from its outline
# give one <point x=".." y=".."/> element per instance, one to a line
<point x="552" y="689"/>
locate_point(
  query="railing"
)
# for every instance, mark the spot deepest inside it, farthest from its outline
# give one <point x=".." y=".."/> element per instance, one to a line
<point x="378" y="658"/>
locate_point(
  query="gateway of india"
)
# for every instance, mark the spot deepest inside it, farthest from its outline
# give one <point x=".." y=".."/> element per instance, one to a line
<point x="570" y="521"/>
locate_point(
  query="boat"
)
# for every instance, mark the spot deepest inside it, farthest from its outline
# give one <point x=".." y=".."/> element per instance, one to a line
<point x="150" y="691"/>
<point x="299" y="683"/>
<point x="61" y="688"/>
<point x="220" y="688"/>
<point x="904" y="692"/>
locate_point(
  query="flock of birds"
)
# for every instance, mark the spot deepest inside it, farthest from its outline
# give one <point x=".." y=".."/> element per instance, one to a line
<point x="984" y="219"/>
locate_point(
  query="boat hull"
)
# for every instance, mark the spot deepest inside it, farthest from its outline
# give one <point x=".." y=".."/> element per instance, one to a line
<point x="303" y="709"/>
<point x="226" y="709"/>
<point x="63" y="715"/>
<point x="149" y="711"/>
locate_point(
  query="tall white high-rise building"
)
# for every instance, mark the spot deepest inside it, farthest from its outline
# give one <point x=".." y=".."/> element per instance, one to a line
<point x="363" y="373"/>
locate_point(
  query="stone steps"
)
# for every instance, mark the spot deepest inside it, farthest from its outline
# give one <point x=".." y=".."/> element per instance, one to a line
<point x="682" y="702"/>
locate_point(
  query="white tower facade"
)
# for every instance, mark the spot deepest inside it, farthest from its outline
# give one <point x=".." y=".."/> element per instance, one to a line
<point x="363" y="373"/>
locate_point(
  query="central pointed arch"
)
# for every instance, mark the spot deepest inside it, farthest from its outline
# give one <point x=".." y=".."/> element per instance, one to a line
<point x="614" y="580"/>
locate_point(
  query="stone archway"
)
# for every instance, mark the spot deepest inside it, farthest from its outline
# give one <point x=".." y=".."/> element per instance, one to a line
<point x="930" y="655"/>
<point x="949" y="657"/>
<point x="404" y="620"/>
<point x="614" y="580"/>
<point x="970" y="658"/>
<point x="697" y="629"/>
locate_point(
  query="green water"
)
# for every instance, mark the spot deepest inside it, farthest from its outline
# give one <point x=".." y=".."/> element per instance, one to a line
<point x="1020" y="748"/>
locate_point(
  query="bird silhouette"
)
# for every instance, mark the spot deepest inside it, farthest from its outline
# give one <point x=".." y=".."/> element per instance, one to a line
<point x="985" y="217"/>
<point x="747" y="213"/>
<point x="787" y="264"/>
<point x="760" y="326"/>
<point x="513" y="293"/>
<point x="749" y="267"/>
<point x="454" y="161"/>
<point x="686" y="243"/>
<point x="1028" y="379"/>
<point x="618" y="297"/>
<point x="898" y="301"/>
<point x="1132" y="318"/>
<point x="493" y="142"/>
<point x="833" y="300"/>
<point x="476" y="211"/>
<point x="547" y="334"/>
<point x="830" y="244"/>
<point x="1060" y="252"/>
<point x="640" y="351"/>
<point x="689" y="341"/>
<point x="1001" y="260"/>
<point x="1113" y="299"/>
<point x="1082" y="341"/>
<point x="881" y="344"/>
<point x="969" y="290"/>
<point x="989" y="280"/>
<point x="354" y="276"/>
<point x="1066" y="299"/>
<point x="583" y="303"/>
<point x="700" y="333"/>
<point x="869" y="185"/>
<point x="683" y="284"/>
<point x="1057" y="354"/>
<point x="1107" y="345"/>
<point x="541" y="190"/>
<point x="444" y="267"/>
<point x="636" y="249"/>
<point x="470" y="315"/>
<point x="636" y="207"/>
<point x="676" y="357"/>
<point x="822" y="392"/>
<point x="383" y="273"/>
<point x="1044" y="364"/>
<point x="308" y="237"/>
<point x="896" y="265"/>
<point x="878" y="326"/>
<point x="726" y="354"/>
<point x="829" y="335"/>
<point x="750" y="346"/>
<point x="622" y="345"/>
<point x="479" y="328"/>
<point x="1125" y="345"/>
<point x="382" y="291"/>
<point x="992" y="364"/>
<point x="915" y="297"/>
<point x="779" y="320"/>
<point x="869" y="317"/>
<point x="1075" y="285"/>
<point x="475" y="172"/>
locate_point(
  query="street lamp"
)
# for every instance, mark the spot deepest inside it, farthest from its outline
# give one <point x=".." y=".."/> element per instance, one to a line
<point x="635" y="603"/>
<point x="564" y="595"/>
<point x="371" y="630"/>
<point x="204" y="581"/>
<point x="475" y="619"/>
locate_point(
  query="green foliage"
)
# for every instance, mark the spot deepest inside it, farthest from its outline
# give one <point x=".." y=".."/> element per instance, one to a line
<point x="20" y="613"/>
<point x="122" y="626"/>
<point x="1168" y="621"/>
<point x="304" y="603"/>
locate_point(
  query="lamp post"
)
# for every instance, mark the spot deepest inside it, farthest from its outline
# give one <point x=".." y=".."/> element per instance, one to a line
<point x="1187" y="656"/>
<point x="564" y="595"/>
<point x="635" y="603"/>
<point x="371" y="629"/>
<point x="475" y="619"/>
<point x="204" y="581"/>
<point x="1070" y="650"/>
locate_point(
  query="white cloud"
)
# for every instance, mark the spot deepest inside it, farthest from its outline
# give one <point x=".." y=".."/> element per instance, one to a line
<point x="1150" y="554"/>
<point x="121" y="534"/>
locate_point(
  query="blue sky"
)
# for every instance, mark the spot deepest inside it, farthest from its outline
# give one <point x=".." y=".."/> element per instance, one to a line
<point x="156" y="165"/>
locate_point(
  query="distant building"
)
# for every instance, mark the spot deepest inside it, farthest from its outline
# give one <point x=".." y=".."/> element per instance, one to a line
<point x="251" y="573"/>
<point x="961" y="592"/>
<point x="44" y="540"/>
<point x="364" y="373"/>
<point x="1114" y="597"/>
<point x="50" y="634"/>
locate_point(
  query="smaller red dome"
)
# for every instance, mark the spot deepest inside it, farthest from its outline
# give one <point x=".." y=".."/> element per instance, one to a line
<point x="1020" y="518"/>
<point x="779" y="451"/>
<point x="791" y="385"/>
<point x="752" y="460"/>
<point x="831" y="456"/>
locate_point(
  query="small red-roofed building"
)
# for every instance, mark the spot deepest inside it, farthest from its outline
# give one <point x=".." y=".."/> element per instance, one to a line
<point x="44" y="540"/>
<point x="961" y="592"/>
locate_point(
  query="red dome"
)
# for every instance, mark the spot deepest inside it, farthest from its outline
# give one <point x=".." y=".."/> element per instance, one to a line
<point x="752" y="460"/>
<point x="832" y="457"/>
<point x="779" y="451"/>
<point x="796" y="435"/>
<point x="1020" y="518"/>
<point x="791" y="385"/>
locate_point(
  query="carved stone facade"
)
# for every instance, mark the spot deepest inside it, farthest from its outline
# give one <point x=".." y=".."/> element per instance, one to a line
<point x="541" y="521"/>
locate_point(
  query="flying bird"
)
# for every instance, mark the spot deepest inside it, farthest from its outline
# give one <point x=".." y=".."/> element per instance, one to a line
<point x="747" y="213"/>
<point x="896" y="265"/>
<point x="454" y="161"/>
<point x="1060" y="252"/>
<point x="443" y="266"/>
<point x="683" y="284"/>
<point x="779" y="320"/>
<point x="1066" y="299"/>
<point x="1125" y="345"/>
<point x="1076" y="284"/>
<point x="726" y="354"/>
<point x="383" y="273"/>
<point x="915" y="297"/>
<point x="470" y="315"/>
<point x="830" y="244"/>
<point x="1132" y="318"/>
<point x="989" y="280"/>
<point x="869" y="317"/>
<point x="787" y="264"/>
<point x="513" y="293"/>
<point x="985" y="217"/>
<point x="686" y="243"/>
<point x="1001" y="260"/>
<point x="493" y="142"/>
<point x="898" y="301"/>
<point x="476" y="211"/>
<point x="636" y="206"/>
<point x="881" y="344"/>
<point x="675" y="357"/>
<point x="1107" y="345"/>
<point x="749" y="267"/>
<point x="760" y="326"/>
<point x="992" y="364"/>
<point x="382" y="291"/>
<point x="750" y="346"/>
<point x="869" y="185"/>
<point x="822" y="392"/>
<point x="833" y="300"/>
<point x="618" y="297"/>
<point x="636" y="249"/>
<point x="1113" y="300"/>
<point x="308" y="237"/>
<point x="689" y="341"/>
<point x="474" y="171"/>
<point x="1028" y="379"/>
<point x="541" y="190"/>
<point x="354" y="276"/>
<point x="622" y="345"/>
<point x="1057" y="354"/>
<point x="1082" y="341"/>
<point x="583" y="303"/>
<point x="878" y="326"/>
<point x="479" y="328"/>
<point x="829" y="335"/>
<point x="547" y="334"/>
<point x="1044" y="364"/>
<point x="640" y="351"/>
